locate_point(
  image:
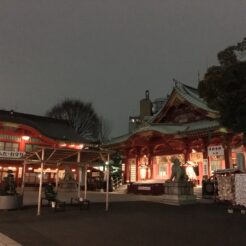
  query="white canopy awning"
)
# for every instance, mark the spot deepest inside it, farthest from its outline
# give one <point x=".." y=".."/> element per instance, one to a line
<point x="88" y="156"/>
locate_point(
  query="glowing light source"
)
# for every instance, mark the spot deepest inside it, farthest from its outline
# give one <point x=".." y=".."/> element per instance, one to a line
<point x="30" y="168"/>
<point x="81" y="146"/>
<point x="223" y="130"/>
<point x="25" y="138"/>
<point x="73" y="170"/>
<point x="143" y="172"/>
<point x="193" y="151"/>
<point x="63" y="145"/>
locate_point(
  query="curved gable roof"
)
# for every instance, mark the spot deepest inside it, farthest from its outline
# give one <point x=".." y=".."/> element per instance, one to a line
<point x="49" y="127"/>
<point x="191" y="96"/>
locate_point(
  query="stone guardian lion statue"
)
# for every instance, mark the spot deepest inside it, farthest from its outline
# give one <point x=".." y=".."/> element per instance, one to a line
<point x="178" y="172"/>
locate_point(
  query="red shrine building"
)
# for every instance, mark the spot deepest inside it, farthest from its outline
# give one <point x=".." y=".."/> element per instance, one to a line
<point x="181" y="125"/>
<point x="22" y="133"/>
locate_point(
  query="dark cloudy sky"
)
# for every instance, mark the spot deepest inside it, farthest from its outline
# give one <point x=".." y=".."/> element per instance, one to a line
<point x="109" y="52"/>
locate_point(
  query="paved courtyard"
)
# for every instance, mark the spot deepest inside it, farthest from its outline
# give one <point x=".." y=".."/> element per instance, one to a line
<point x="127" y="223"/>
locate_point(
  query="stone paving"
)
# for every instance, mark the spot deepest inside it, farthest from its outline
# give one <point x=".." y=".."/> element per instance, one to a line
<point x="31" y="196"/>
<point x="125" y="206"/>
<point x="6" y="241"/>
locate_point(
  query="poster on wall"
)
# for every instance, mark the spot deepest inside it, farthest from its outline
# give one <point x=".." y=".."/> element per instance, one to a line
<point x="133" y="170"/>
<point x="205" y="166"/>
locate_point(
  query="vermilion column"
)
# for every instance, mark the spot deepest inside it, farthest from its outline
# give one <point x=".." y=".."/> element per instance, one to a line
<point x="186" y="150"/>
<point x="127" y="169"/>
<point x="138" y="157"/>
<point x="22" y="145"/>
<point x="137" y="169"/>
<point x="227" y="151"/>
<point x="150" y="160"/>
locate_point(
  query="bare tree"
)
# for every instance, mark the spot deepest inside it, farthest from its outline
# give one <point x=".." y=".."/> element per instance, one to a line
<point x="105" y="130"/>
<point x="81" y="116"/>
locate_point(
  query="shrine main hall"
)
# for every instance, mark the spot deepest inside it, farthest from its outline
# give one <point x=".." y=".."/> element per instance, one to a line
<point x="184" y="126"/>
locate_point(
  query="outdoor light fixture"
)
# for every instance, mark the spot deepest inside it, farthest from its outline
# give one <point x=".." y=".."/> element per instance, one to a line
<point x="81" y="146"/>
<point x="25" y="138"/>
<point x="63" y="145"/>
<point x="12" y="168"/>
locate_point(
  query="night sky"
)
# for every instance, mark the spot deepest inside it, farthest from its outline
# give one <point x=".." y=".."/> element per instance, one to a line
<point x="109" y="52"/>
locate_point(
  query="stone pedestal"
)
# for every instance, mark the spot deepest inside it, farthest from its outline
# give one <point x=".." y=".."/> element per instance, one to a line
<point x="11" y="202"/>
<point x="70" y="185"/>
<point x="179" y="193"/>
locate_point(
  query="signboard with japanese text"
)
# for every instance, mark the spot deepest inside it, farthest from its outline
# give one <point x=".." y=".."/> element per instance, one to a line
<point x="215" y="150"/>
<point x="11" y="154"/>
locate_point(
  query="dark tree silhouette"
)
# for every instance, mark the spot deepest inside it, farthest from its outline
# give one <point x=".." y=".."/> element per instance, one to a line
<point x="81" y="116"/>
<point x="224" y="87"/>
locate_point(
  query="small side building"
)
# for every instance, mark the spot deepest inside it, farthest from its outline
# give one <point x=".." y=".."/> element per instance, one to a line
<point x="22" y="133"/>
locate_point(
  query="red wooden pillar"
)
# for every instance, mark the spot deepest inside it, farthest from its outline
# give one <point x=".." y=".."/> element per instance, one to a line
<point x="127" y="171"/>
<point x="186" y="151"/>
<point x="138" y="152"/>
<point x="22" y="145"/>
<point x="227" y="151"/>
<point x="150" y="163"/>
<point x="205" y="157"/>
<point x="137" y="164"/>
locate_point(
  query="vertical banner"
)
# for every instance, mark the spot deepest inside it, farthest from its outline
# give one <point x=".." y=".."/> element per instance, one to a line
<point x="205" y="166"/>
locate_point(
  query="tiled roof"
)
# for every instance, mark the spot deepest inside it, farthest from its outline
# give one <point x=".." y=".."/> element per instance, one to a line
<point x="49" y="127"/>
<point x="171" y="129"/>
<point x="192" y="96"/>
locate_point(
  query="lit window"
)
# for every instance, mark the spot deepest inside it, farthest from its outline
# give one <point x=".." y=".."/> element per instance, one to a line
<point x="9" y="146"/>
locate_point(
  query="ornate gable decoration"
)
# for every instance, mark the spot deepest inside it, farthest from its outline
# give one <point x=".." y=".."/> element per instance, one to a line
<point x="180" y="112"/>
<point x="183" y="106"/>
